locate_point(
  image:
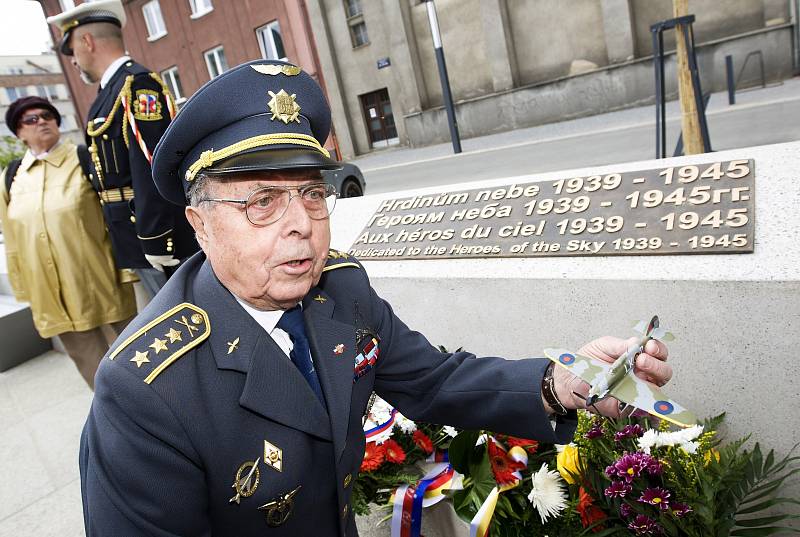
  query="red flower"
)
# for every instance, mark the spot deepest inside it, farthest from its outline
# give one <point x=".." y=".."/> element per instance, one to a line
<point x="394" y="453"/>
<point x="528" y="445"/>
<point x="423" y="442"/>
<point x="589" y="512"/>
<point x="503" y="466"/>
<point x="373" y="457"/>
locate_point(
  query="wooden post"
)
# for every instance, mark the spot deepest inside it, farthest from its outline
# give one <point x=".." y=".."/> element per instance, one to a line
<point x="692" y="137"/>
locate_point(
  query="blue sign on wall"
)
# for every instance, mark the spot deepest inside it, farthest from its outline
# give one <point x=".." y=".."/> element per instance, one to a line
<point x="384" y="62"/>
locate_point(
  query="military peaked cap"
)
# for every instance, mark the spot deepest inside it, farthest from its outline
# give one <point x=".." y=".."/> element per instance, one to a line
<point x="259" y="116"/>
<point x="110" y="11"/>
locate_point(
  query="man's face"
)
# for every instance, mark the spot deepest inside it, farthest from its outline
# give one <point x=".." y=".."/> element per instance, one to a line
<point x="82" y="58"/>
<point x="39" y="136"/>
<point x="271" y="267"/>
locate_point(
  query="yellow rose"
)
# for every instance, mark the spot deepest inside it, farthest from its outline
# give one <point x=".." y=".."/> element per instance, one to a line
<point x="568" y="464"/>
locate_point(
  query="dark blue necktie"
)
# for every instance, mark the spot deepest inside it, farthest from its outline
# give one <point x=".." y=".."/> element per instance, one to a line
<point x="292" y="323"/>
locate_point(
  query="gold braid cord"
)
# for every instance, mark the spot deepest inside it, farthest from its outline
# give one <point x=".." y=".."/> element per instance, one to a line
<point x="209" y="157"/>
<point x="93" y="133"/>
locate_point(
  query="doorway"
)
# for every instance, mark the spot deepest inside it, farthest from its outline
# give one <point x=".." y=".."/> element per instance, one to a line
<point x="379" y="118"/>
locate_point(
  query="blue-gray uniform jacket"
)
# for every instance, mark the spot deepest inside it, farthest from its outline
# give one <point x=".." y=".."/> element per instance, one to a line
<point x="197" y="394"/>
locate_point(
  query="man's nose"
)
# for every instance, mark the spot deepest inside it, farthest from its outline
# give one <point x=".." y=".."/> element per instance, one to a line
<point x="296" y="215"/>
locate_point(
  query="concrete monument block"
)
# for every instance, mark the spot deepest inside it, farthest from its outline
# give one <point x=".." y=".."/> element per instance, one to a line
<point x="735" y="316"/>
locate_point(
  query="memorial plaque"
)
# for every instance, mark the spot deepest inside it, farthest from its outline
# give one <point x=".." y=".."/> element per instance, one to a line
<point x="691" y="209"/>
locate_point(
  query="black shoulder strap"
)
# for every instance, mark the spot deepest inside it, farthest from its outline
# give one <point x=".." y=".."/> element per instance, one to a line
<point x="11" y="171"/>
<point x="85" y="160"/>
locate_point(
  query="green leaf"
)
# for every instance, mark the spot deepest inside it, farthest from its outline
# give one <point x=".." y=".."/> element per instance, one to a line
<point x="462" y="451"/>
<point x="758" y="532"/>
<point x="764" y="521"/>
<point x="764" y="505"/>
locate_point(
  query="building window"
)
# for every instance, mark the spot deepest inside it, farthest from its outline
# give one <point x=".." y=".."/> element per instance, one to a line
<point x="270" y="41"/>
<point x="355" y="21"/>
<point x="215" y="61"/>
<point x="173" y="82"/>
<point x="16" y="93"/>
<point x="66" y="4"/>
<point x="154" y="20"/>
<point x="68" y="123"/>
<point x="200" y="7"/>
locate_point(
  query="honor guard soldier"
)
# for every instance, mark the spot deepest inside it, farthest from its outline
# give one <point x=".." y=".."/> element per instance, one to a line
<point x="132" y="110"/>
<point x="233" y="404"/>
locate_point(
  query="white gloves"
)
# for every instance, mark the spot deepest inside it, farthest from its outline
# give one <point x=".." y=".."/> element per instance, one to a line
<point x="161" y="261"/>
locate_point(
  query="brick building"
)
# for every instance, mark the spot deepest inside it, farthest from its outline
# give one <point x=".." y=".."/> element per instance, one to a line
<point x="188" y="42"/>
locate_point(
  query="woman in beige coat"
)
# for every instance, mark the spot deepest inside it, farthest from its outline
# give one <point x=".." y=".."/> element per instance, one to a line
<point x="57" y="247"/>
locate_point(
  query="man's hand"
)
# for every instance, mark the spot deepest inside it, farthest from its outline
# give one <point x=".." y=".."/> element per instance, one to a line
<point x="161" y="261"/>
<point x="651" y="366"/>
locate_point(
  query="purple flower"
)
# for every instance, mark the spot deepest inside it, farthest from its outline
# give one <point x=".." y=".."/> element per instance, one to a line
<point x="618" y="489"/>
<point x="643" y="525"/>
<point x="625" y="510"/>
<point x="596" y="431"/>
<point x="629" y="431"/>
<point x="680" y="510"/>
<point x="656" y="496"/>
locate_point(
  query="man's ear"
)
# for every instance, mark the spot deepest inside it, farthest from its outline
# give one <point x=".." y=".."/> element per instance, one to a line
<point x="197" y="221"/>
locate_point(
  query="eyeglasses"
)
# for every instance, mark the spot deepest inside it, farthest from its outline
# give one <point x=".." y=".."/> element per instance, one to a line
<point x="267" y="205"/>
<point x="33" y="119"/>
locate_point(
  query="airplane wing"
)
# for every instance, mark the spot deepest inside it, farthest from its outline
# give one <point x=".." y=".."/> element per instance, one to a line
<point x="588" y="369"/>
<point x="645" y="396"/>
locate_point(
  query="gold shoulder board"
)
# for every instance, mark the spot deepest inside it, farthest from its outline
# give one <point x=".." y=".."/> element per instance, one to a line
<point x="337" y="259"/>
<point x="159" y="343"/>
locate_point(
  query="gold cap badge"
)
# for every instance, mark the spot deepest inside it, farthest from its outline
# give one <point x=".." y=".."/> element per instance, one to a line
<point x="284" y="107"/>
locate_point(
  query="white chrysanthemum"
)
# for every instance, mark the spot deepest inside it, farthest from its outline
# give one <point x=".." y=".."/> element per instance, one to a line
<point x="450" y="431"/>
<point x="547" y="494"/>
<point x="406" y="425"/>
<point x="683" y="439"/>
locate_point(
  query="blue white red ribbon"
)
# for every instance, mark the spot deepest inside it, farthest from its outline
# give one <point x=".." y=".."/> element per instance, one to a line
<point x="381" y="427"/>
<point x="409" y="500"/>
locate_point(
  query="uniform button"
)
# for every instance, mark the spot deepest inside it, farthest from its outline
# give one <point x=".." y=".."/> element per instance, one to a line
<point x="133" y="219"/>
<point x="105" y="137"/>
<point x="344" y="511"/>
<point x="347" y="480"/>
<point x="91" y="176"/>
<point x="169" y="248"/>
<point x="42" y="236"/>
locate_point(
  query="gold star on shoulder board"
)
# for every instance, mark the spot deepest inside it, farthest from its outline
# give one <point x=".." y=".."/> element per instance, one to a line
<point x="140" y="358"/>
<point x="321" y="299"/>
<point x="173" y="335"/>
<point x="158" y="345"/>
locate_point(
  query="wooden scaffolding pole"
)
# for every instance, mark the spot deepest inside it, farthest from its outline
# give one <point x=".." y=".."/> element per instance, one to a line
<point x="690" y="126"/>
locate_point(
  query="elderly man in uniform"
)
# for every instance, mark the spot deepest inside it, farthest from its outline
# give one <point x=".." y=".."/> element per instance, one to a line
<point x="232" y="405"/>
<point x="128" y="117"/>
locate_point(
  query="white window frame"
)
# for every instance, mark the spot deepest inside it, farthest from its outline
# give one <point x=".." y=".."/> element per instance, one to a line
<point x="66" y="4"/>
<point x="154" y="20"/>
<point x="214" y="55"/>
<point x="169" y="76"/>
<point x="200" y="8"/>
<point x="266" y="41"/>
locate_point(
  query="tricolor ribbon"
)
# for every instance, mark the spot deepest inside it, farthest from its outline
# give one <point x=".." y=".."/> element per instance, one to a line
<point x="409" y="500"/>
<point x="438" y="455"/>
<point x="381" y="427"/>
<point x="479" y="526"/>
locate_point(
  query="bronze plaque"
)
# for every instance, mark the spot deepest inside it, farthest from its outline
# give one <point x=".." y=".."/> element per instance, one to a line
<point x="691" y="209"/>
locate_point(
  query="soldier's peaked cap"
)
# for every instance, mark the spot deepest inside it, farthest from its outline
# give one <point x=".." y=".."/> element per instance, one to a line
<point x="110" y="11"/>
<point x="259" y="116"/>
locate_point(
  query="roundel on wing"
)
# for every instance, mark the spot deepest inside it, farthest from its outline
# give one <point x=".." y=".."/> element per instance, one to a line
<point x="663" y="407"/>
<point x="567" y="358"/>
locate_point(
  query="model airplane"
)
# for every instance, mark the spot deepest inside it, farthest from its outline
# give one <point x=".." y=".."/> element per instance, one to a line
<point x="619" y="381"/>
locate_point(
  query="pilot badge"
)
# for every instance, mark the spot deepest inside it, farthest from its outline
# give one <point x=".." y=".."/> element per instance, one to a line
<point x="278" y="511"/>
<point x="246" y="482"/>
